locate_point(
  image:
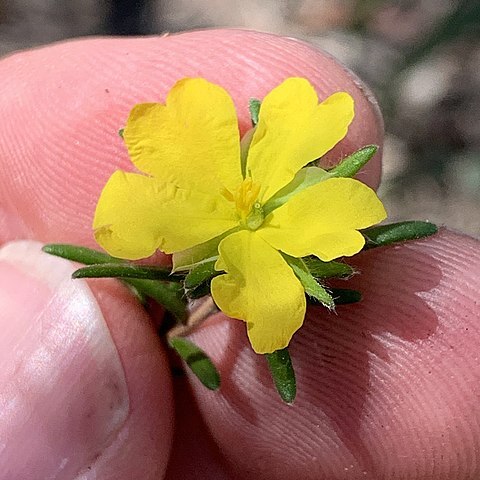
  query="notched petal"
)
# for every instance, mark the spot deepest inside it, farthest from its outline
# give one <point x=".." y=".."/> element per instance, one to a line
<point x="192" y="141"/>
<point x="293" y="130"/>
<point x="136" y="215"/>
<point x="259" y="288"/>
<point x="324" y="219"/>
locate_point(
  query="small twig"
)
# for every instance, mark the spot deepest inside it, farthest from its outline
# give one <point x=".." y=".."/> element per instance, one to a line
<point x="195" y="318"/>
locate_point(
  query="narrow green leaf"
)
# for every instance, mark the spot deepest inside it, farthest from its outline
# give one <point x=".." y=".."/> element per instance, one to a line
<point x="198" y="361"/>
<point x="130" y="270"/>
<point x="254" y="107"/>
<point x="350" y="165"/>
<point x="397" y="232"/>
<point x="283" y="375"/>
<point x="311" y="286"/>
<point x="120" y="132"/>
<point x="168" y="294"/>
<point x="79" y="254"/>
<point x="200" y="274"/>
<point x="320" y="269"/>
<point x="344" y="296"/>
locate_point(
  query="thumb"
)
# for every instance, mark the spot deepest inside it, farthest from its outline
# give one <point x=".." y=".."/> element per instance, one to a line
<point x="387" y="388"/>
<point x="73" y="393"/>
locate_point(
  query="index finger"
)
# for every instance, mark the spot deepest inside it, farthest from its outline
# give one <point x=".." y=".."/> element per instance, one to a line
<point x="62" y="107"/>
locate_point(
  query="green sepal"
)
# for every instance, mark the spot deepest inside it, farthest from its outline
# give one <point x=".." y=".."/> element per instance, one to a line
<point x="168" y="294"/>
<point x="128" y="270"/>
<point x="350" y="165"/>
<point x="254" y="105"/>
<point x="397" y="232"/>
<point x="201" y="253"/>
<point x="320" y="269"/>
<point x="311" y="286"/>
<point x="283" y="374"/>
<point x="199" y="291"/>
<point x="344" y="296"/>
<point x="197" y="282"/>
<point x="120" y="132"/>
<point x="198" y="361"/>
<point x="200" y="274"/>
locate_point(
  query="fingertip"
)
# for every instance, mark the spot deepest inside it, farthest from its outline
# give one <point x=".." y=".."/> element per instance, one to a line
<point x="97" y="397"/>
<point x="383" y="386"/>
<point x="60" y="144"/>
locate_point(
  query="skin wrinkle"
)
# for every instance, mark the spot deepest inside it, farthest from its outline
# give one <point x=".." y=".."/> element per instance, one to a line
<point x="246" y="414"/>
<point x="111" y="109"/>
<point x="373" y="402"/>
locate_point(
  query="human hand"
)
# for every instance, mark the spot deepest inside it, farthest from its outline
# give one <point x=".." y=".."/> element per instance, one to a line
<point x="386" y="389"/>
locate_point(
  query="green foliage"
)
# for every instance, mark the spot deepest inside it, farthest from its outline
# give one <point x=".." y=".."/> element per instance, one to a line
<point x="311" y="286"/>
<point x="351" y="165"/>
<point x="397" y="232"/>
<point x="169" y="294"/>
<point x="320" y="269"/>
<point x="344" y="296"/>
<point x="129" y="270"/>
<point x="83" y="255"/>
<point x="198" y="361"/>
<point x="283" y="375"/>
<point x="201" y="273"/>
<point x="254" y="107"/>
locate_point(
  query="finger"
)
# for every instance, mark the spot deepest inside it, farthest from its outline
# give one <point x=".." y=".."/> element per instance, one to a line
<point x="194" y="453"/>
<point x="81" y="393"/>
<point x="59" y="148"/>
<point x="63" y="105"/>
<point x="387" y="388"/>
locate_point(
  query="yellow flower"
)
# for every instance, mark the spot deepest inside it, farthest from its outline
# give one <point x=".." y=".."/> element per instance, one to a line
<point x="204" y="197"/>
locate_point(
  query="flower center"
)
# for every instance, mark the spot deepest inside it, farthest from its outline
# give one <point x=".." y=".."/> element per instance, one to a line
<point x="245" y="198"/>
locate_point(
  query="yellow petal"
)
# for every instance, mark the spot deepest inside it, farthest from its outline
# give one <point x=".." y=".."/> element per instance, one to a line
<point x="185" y="260"/>
<point x="323" y="220"/>
<point x="259" y="288"/>
<point x="136" y="215"/>
<point x="192" y="141"/>
<point x="293" y="130"/>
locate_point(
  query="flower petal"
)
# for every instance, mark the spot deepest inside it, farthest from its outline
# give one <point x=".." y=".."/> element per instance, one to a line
<point x="304" y="178"/>
<point x="136" y="215"/>
<point x="322" y="220"/>
<point x="293" y="130"/>
<point x="259" y="288"/>
<point x="192" y="141"/>
<point x="185" y="260"/>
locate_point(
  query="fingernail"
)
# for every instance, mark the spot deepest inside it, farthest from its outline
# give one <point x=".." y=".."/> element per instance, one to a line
<point x="63" y="394"/>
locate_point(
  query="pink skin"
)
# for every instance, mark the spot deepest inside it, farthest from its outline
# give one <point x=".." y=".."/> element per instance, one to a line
<point x="387" y="389"/>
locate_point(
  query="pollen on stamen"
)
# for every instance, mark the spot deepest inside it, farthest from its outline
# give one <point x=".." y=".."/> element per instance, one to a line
<point x="244" y="197"/>
<point x="227" y="194"/>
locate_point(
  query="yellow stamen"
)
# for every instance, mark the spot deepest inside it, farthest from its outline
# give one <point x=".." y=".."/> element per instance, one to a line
<point x="244" y="197"/>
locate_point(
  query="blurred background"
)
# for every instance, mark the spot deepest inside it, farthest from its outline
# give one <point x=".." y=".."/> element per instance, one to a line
<point x="420" y="57"/>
